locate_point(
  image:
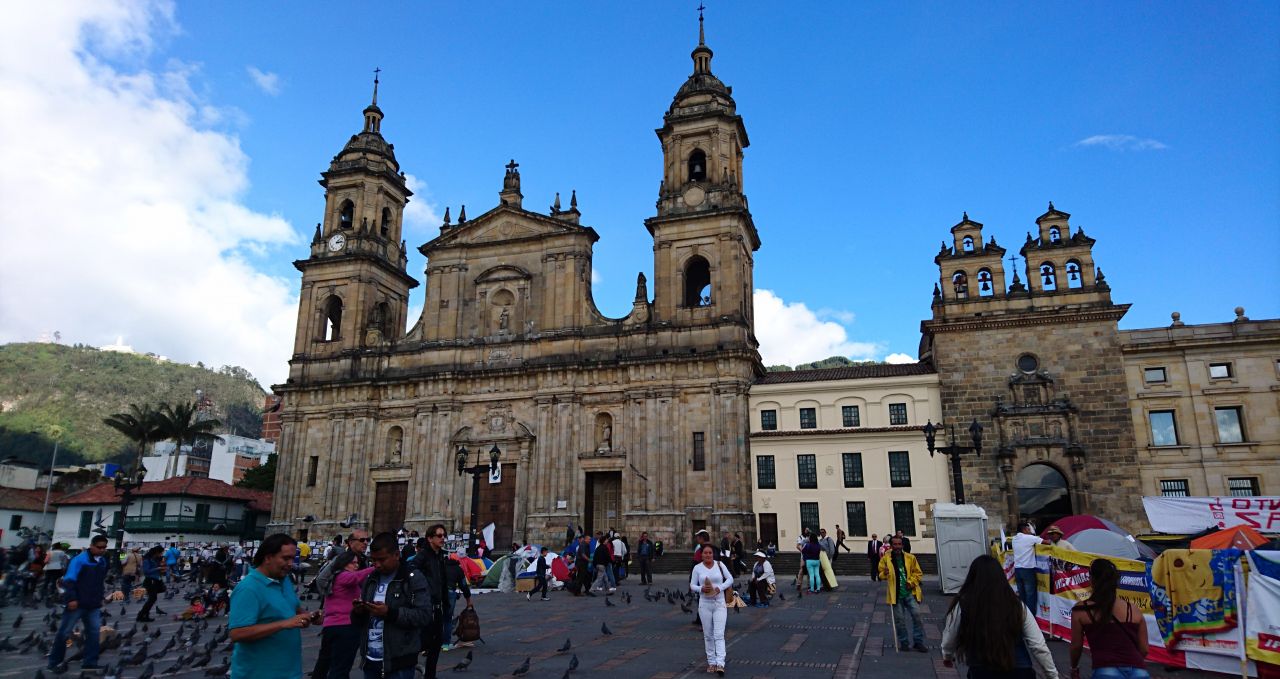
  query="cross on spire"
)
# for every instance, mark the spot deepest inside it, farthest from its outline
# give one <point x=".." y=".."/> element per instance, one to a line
<point x="376" y="71"/>
<point x="1013" y="261"/>
<point x="702" y="36"/>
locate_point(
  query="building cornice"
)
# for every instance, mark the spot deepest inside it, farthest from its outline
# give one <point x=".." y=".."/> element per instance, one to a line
<point x="1059" y="316"/>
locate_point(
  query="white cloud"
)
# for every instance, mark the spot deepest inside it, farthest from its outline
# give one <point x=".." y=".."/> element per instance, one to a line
<point x="1122" y="142"/>
<point x="122" y="207"/>
<point x="265" y="80"/>
<point x="596" y="278"/>
<point x="420" y="214"/>
<point x="840" y="316"/>
<point x="900" y="358"/>
<point x="791" y="333"/>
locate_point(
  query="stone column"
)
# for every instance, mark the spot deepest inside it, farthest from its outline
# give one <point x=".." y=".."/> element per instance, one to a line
<point x="519" y="529"/>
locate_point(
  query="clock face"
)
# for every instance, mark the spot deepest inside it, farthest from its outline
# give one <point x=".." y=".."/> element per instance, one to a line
<point x="694" y="195"/>
<point x="336" y="242"/>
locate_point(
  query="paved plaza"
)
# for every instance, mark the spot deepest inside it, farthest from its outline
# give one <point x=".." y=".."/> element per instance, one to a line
<point x="846" y="633"/>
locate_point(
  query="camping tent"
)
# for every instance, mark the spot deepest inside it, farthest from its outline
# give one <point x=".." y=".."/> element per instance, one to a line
<point x="1237" y="537"/>
<point x="493" y="577"/>
<point x="1096" y="535"/>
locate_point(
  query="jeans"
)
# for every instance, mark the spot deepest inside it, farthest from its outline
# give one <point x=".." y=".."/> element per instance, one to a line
<point x="126" y="585"/>
<point x="170" y="572"/>
<point x="92" y="618"/>
<point x="604" y="577"/>
<point x="712" y="611"/>
<point x="448" y="618"/>
<point x="908" y="608"/>
<point x="1026" y="581"/>
<point x="1121" y="673"/>
<point x="373" y="670"/>
<point x="339" y="645"/>
<point x="815" y="574"/>
<point x="646" y="576"/>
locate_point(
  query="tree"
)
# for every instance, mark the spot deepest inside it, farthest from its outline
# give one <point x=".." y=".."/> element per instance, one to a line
<point x="262" y="477"/>
<point x="179" y="423"/>
<point x="140" y="425"/>
<point x="244" y="419"/>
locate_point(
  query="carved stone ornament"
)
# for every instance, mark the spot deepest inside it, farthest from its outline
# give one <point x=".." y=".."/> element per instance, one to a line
<point x="498" y="418"/>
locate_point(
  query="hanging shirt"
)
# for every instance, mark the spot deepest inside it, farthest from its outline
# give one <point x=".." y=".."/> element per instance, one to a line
<point x="377" y="625"/>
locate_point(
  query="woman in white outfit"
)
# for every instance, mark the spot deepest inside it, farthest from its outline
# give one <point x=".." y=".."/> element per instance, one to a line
<point x="710" y="578"/>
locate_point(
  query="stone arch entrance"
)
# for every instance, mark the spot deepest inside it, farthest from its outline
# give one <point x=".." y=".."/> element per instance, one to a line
<point x="1044" y="495"/>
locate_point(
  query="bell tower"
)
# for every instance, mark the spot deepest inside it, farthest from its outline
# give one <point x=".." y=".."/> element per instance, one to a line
<point x="704" y="237"/>
<point x="355" y="291"/>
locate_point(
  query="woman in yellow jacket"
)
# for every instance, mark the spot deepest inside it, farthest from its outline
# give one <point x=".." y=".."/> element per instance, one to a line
<point x="901" y="572"/>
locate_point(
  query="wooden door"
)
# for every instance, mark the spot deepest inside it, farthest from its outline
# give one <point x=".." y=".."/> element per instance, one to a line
<point x="389" y="506"/>
<point x="769" y="529"/>
<point x="498" y="506"/>
<point x="604" y="501"/>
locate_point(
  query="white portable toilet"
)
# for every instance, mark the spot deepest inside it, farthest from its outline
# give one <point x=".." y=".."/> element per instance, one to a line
<point x="961" y="536"/>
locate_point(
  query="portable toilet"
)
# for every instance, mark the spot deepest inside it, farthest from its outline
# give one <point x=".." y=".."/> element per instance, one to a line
<point x="961" y="536"/>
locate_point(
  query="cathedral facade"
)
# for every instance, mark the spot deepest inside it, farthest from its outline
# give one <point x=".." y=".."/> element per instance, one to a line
<point x="634" y="423"/>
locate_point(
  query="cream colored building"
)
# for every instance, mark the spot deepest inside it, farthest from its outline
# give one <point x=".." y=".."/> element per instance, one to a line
<point x="1205" y="403"/>
<point x="845" y="444"/>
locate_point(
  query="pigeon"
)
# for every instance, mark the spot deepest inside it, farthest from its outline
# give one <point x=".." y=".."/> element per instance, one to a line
<point x="6" y="645"/>
<point x="781" y="596"/>
<point x="464" y="664"/>
<point x="604" y="629"/>
<point x="148" y="671"/>
<point x="522" y="669"/>
<point x="573" y="662"/>
<point x="607" y="602"/>
<point x="220" y="670"/>
<point x="566" y="646"/>
<point x="61" y="669"/>
<point x="685" y="608"/>
<point x="202" y="660"/>
<point x="17" y="622"/>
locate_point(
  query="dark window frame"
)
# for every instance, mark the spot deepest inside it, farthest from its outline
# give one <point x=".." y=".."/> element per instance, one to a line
<point x="769" y="420"/>
<point x="699" y="451"/>
<point x="850" y="416"/>
<point x="817" y="516"/>
<point x="1175" y="488"/>
<point x="901" y="509"/>
<point x="770" y="477"/>
<point x="86" y="523"/>
<point x="852" y="466"/>
<point x="1239" y="412"/>
<point x="899" y="477"/>
<point x="15" y="522"/>
<point x="1147" y="375"/>
<point x="898" y="415"/>
<point x="313" y="470"/>
<point x="1228" y="370"/>
<point x="856" y="529"/>
<point x="802" y="475"/>
<point x="1255" y="488"/>
<point x="1151" y="427"/>
<point x="811" y="422"/>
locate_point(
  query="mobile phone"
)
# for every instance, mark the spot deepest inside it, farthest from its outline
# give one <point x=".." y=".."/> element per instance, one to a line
<point x="357" y="602"/>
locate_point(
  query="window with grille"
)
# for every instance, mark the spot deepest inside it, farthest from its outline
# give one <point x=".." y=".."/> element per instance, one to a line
<point x="1243" y="487"/>
<point x="856" y="515"/>
<point x="852" y="469"/>
<point x="1174" y="488"/>
<point x="899" y="469"/>
<point x="809" y="516"/>
<point x="766" y="477"/>
<point x="768" y="420"/>
<point x="897" y="413"/>
<point x="808" y="418"/>
<point x="699" y="451"/>
<point x="1230" y="429"/>
<point x="904" y="518"/>
<point x="807" y="470"/>
<point x="849" y="416"/>
<point x="86" y="522"/>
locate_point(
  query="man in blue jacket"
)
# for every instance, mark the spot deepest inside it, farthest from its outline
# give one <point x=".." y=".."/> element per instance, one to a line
<point x="84" y="585"/>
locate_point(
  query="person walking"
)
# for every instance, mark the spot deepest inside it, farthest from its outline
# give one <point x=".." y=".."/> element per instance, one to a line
<point x="1115" y="628"/>
<point x="619" y="555"/>
<point x="812" y="554"/>
<point x="129" y="571"/>
<point x="171" y="557"/>
<point x="906" y="542"/>
<point x="582" y="567"/>
<point x="539" y="577"/>
<point x="644" y="554"/>
<point x="393" y="609"/>
<point x="54" y="569"/>
<point x="35" y="565"/>
<point x="873" y="556"/>
<point x="710" y="579"/>
<point x="736" y="551"/>
<point x="989" y="629"/>
<point x="840" y="538"/>
<point x="340" y="639"/>
<point x="762" y="583"/>
<point x="602" y="561"/>
<point x="902" y="573"/>
<point x="433" y="564"/>
<point x="152" y="581"/>
<point x="1024" y="565"/>
<point x="455" y="580"/>
<point x="86" y="583"/>
<point x="266" y="619"/>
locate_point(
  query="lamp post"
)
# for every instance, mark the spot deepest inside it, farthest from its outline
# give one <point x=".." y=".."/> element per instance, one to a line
<point x="127" y="483"/>
<point x="476" y="471"/>
<point x="954" y="451"/>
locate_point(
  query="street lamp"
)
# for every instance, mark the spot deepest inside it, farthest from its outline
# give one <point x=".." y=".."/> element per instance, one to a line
<point x="954" y="451"/>
<point x="477" y="470"/>
<point x="127" y="483"/>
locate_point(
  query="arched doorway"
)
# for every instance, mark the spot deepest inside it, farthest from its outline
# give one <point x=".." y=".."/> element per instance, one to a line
<point x="1043" y="495"/>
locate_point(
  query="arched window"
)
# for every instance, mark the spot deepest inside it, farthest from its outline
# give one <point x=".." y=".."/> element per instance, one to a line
<point x="984" y="283"/>
<point x="1043" y="494"/>
<point x="331" y="323"/>
<point x="697" y="166"/>
<point x="1075" y="279"/>
<point x="1048" y="277"/>
<point x="960" y="283"/>
<point x="697" y="282"/>
<point x="385" y="226"/>
<point x="967" y="243"/>
<point x="346" y="214"/>
<point x="1054" y="234"/>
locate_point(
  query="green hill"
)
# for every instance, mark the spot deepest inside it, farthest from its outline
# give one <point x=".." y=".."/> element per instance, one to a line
<point x="45" y="386"/>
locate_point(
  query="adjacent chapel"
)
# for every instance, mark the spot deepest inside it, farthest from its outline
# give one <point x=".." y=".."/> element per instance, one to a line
<point x="634" y="423"/>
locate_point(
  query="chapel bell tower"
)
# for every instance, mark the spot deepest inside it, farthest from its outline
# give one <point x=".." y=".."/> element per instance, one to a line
<point x="355" y="291"/>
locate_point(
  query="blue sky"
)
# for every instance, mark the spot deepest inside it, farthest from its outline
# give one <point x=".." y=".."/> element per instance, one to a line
<point x="873" y="126"/>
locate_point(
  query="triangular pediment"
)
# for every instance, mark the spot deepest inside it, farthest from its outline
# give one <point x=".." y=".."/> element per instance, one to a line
<point x="504" y="224"/>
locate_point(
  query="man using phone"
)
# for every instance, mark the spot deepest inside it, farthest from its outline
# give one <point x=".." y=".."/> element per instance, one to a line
<point x="266" y="619"/>
<point x="393" y="610"/>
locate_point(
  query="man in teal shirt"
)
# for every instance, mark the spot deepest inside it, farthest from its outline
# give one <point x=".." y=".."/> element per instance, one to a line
<point x="266" y="618"/>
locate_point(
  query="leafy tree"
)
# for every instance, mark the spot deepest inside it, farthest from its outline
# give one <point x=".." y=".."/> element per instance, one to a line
<point x="244" y="419"/>
<point x="179" y="423"/>
<point x="262" y="477"/>
<point x="780" y="368"/>
<point x="140" y="425"/>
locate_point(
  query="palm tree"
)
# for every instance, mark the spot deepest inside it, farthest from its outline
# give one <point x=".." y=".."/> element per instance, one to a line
<point x="180" y="424"/>
<point x="140" y="425"/>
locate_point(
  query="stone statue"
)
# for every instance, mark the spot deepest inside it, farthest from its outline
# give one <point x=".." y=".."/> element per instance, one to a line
<point x="396" y="451"/>
<point x="504" y="319"/>
<point x="1056" y="429"/>
<point x="606" y="437"/>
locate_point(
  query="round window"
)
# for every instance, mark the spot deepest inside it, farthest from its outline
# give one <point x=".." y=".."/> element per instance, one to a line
<point x="1028" y="363"/>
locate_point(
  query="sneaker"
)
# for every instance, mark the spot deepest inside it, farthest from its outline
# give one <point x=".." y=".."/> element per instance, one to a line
<point x="920" y="648"/>
<point x="445" y="648"/>
<point x="612" y="590"/>
<point x="544" y="599"/>
<point x="528" y="597"/>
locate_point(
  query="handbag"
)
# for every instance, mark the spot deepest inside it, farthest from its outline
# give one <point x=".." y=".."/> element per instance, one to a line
<point x="154" y="586"/>
<point x="728" y="589"/>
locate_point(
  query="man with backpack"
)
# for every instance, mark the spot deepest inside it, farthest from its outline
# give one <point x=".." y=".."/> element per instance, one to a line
<point x="432" y="563"/>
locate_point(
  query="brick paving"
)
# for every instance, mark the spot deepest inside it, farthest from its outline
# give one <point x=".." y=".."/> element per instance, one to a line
<point x="846" y="634"/>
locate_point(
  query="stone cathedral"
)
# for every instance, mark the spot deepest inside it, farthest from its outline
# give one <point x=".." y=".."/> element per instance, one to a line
<point x="634" y="423"/>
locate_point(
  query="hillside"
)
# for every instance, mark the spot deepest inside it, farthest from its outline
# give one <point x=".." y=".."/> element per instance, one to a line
<point x="73" y="387"/>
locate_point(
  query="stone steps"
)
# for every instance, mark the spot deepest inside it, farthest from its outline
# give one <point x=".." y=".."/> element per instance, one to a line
<point x="789" y="563"/>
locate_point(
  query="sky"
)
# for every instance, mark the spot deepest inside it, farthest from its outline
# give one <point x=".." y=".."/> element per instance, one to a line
<point x="160" y="160"/>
